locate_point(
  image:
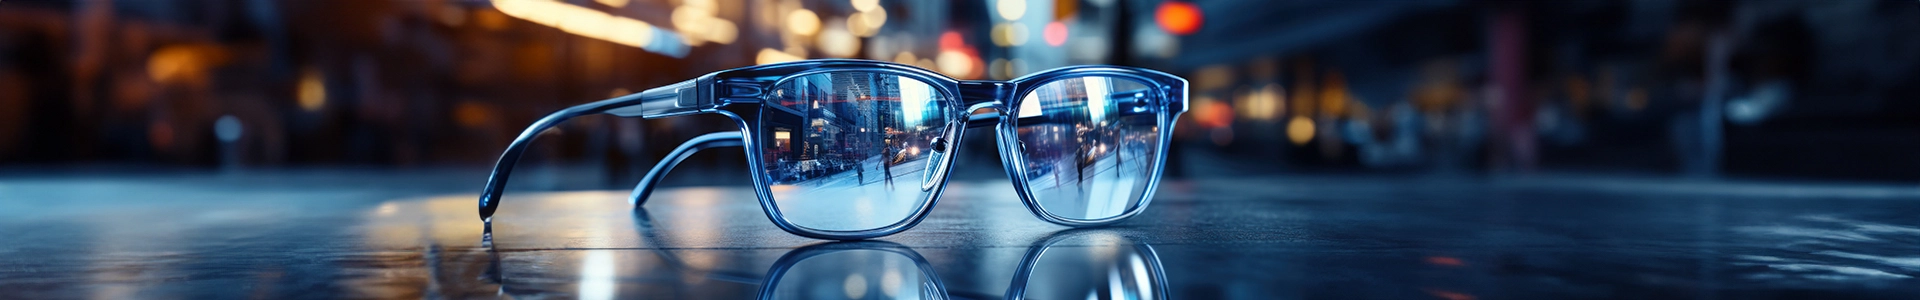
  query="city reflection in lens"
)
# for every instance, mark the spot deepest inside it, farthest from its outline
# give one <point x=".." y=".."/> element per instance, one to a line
<point x="850" y="151"/>
<point x="1089" y="145"/>
<point x="857" y="270"/>
<point x="1095" y="265"/>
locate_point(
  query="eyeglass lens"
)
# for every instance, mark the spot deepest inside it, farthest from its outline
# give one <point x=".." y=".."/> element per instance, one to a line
<point x="1089" y="144"/>
<point x="848" y="151"/>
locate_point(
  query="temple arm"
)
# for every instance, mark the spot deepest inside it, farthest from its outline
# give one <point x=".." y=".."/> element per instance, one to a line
<point x="710" y="140"/>
<point x="672" y="100"/>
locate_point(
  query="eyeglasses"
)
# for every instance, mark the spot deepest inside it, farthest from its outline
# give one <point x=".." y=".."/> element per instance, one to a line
<point x="856" y="149"/>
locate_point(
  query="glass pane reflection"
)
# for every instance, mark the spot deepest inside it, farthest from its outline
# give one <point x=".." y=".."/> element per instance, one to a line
<point x="1089" y="145"/>
<point x="1112" y="268"/>
<point x="846" y="150"/>
<point x="855" y="274"/>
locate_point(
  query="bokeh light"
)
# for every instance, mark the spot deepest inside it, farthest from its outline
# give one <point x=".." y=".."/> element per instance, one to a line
<point x="836" y="41"/>
<point x="1056" y="33"/>
<point x="1009" y="34"/>
<point x="1179" y="17"/>
<point x="589" y="23"/>
<point x="1011" y="10"/>
<point x="312" y="90"/>
<point x="803" y="22"/>
<point x="1300" y="130"/>
<point x="865" y="5"/>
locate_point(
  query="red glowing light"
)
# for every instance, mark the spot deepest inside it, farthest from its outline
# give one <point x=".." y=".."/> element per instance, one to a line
<point x="951" y="40"/>
<point x="1056" y="33"/>
<point x="1182" y="18"/>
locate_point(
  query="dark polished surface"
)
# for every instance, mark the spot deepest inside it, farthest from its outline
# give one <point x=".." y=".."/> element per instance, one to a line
<point x="368" y="234"/>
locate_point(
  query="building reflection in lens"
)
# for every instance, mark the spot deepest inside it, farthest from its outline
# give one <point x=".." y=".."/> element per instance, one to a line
<point x="850" y="151"/>
<point x="1089" y="144"/>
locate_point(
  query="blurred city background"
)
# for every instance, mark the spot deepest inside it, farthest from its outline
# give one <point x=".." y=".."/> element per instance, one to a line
<point x="1822" y="90"/>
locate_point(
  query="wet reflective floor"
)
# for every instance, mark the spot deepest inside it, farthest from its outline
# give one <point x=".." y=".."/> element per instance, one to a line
<point x="383" y="235"/>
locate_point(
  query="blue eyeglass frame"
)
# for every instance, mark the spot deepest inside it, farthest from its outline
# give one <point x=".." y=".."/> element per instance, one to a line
<point x="739" y="94"/>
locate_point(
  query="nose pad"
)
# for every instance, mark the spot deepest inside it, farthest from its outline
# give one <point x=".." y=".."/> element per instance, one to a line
<point x="936" y="161"/>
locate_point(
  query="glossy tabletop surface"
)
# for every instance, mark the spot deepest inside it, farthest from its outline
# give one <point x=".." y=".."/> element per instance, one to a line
<point x="383" y="235"/>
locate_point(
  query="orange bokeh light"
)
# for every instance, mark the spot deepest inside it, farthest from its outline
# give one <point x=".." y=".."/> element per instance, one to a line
<point x="952" y="40"/>
<point x="957" y="59"/>
<point x="1213" y="114"/>
<point x="1182" y="18"/>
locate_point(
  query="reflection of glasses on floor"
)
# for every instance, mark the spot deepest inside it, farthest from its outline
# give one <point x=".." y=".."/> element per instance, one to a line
<point x="1096" y="267"/>
<point x="855" y="149"/>
<point x="1073" y="264"/>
